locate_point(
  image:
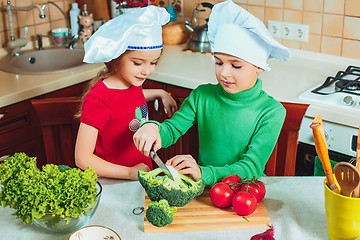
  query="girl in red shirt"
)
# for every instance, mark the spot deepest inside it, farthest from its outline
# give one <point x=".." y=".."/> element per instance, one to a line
<point x="130" y="46"/>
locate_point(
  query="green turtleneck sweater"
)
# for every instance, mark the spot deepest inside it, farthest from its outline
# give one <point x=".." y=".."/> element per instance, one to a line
<point x="237" y="132"/>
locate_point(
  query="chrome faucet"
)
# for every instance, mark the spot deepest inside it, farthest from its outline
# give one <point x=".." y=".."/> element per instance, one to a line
<point x="15" y="45"/>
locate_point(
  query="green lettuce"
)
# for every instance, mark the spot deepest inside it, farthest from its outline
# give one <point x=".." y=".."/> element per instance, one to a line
<point x="33" y="192"/>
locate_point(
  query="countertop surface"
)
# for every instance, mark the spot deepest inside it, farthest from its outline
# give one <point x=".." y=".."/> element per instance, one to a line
<point x="295" y="206"/>
<point x="285" y="81"/>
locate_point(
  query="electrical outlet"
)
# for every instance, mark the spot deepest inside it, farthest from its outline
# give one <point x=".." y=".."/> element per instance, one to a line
<point x="274" y="28"/>
<point x="287" y="31"/>
<point x="301" y="32"/>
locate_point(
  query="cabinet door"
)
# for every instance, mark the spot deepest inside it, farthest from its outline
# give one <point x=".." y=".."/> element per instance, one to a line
<point x="32" y="147"/>
<point x="189" y="142"/>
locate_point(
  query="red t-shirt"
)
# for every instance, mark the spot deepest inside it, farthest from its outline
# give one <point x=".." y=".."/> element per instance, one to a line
<point x="112" y="112"/>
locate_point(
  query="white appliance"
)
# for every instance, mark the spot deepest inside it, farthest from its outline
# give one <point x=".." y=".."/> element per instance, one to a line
<point x="340" y="93"/>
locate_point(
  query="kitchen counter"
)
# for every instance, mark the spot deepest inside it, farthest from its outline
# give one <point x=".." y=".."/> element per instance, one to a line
<point x="285" y="81"/>
<point x="295" y="206"/>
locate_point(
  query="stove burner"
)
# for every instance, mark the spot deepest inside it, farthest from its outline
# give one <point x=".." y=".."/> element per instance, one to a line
<point x="352" y="85"/>
<point x="347" y="81"/>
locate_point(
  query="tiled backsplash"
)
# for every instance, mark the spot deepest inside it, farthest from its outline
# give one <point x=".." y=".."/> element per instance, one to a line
<point x="334" y="25"/>
<point x="36" y="25"/>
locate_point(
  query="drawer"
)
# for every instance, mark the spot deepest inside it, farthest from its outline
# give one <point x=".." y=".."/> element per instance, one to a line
<point x="18" y="121"/>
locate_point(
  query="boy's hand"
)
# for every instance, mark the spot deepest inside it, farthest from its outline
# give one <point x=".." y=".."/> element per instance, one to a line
<point x="147" y="136"/>
<point x="185" y="164"/>
<point x="169" y="104"/>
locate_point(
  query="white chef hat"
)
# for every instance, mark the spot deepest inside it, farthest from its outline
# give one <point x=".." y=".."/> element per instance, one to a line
<point x="234" y="31"/>
<point x="139" y="29"/>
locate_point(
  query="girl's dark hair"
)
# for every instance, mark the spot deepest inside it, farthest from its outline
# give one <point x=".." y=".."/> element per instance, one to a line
<point x="110" y="68"/>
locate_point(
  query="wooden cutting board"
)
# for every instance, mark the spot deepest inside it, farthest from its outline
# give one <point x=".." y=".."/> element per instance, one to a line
<point x="201" y="214"/>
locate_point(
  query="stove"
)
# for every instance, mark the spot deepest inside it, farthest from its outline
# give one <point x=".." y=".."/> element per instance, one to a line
<point x="340" y="91"/>
<point x="340" y="94"/>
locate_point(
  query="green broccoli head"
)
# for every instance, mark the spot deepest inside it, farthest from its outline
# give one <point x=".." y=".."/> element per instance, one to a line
<point x="177" y="192"/>
<point x="160" y="213"/>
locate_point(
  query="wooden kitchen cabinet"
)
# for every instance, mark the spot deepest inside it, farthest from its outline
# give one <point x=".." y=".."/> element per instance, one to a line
<point x="188" y="143"/>
<point x="20" y="128"/>
<point x="20" y="131"/>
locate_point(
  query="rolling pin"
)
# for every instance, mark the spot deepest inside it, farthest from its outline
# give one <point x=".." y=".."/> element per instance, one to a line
<point x="322" y="151"/>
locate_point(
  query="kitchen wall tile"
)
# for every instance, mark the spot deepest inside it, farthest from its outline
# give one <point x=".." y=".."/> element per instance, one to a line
<point x="43" y="28"/>
<point x="332" y="25"/>
<point x="189" y="6"/>
<point x="256" y="2"/>
<point x="293" y="4"/>
<point x="274" y="3"/>
<point x="55" y="13"/>
<point x="314" y="5"/>
<point x="240" y="1"/>
<point x="352" y="8"/>
<point x="291" y="44"/>
<point x="331" y="45"/>
<point x="25" y="18"/>
<point x="334" y="6"/>
<point x="313" y="45"/>
<point x="58" y="24"/>
<point x="275" y="14"/>
<point x="314" y="20"/>
<point x="352" y="28"/>
<point x="292" y="16"/>
<point x="350" y="48"/>
<point x="257" y="11"/>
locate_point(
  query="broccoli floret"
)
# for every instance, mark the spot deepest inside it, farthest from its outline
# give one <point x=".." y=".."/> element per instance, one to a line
<point x="160" y="213"/>
<point x="177" y="192"/>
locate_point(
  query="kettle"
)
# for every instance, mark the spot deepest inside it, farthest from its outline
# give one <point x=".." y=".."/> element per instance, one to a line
<point x="199" y="41"/>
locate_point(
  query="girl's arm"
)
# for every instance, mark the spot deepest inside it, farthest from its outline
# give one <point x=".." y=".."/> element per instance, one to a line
<point x="85" y="157"/>
<point x="167" y="100"/>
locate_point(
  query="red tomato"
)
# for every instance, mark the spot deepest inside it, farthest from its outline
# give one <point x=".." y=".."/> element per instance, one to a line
<point x="255" y="187"/>
<point x="221" y="195"/>
<point x="233" y="181"/>
<point x="244" y="203"/>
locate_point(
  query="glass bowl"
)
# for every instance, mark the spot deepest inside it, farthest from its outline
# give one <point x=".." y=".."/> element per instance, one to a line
<point x="47" y="221"/>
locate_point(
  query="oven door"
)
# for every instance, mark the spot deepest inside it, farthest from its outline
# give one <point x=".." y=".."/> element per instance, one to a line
<point x="341" y="141"/>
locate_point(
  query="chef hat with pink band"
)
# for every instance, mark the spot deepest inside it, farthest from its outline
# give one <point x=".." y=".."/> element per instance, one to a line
<point x="139" y="29"/>
<point x="234" y="31"/>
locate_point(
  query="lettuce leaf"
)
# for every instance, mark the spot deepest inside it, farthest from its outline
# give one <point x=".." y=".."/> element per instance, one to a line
<point x="33" y="192"/>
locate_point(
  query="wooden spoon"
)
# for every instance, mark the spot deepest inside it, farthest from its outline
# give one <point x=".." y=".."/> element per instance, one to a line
<point x="357" y="190"/>
<point x="347" y="176"/>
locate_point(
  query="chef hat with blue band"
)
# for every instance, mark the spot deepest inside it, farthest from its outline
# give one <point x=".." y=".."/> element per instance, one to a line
<point x="139" y="29"/>
<point x="234" y="31"/>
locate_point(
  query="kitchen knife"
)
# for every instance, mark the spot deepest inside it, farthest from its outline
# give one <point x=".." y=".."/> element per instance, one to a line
<point x="322" y="152"/>
<point x="160" y="163"/>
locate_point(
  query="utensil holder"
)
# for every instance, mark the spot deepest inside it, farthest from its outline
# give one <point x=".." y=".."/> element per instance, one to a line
<point x="342" y="215"/>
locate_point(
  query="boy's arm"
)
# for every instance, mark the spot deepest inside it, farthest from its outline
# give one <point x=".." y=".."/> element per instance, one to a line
<point x="254" y="160"/>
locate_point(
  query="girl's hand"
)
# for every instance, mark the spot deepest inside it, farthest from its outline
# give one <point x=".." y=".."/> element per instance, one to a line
<point x="185" y="164"/>
<point x="133" y="174"/>
<point x="169" y="104"/>
<point x="147" y="136"/>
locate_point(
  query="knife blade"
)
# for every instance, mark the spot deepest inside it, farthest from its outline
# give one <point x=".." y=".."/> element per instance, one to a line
<point x="160" y="163"/>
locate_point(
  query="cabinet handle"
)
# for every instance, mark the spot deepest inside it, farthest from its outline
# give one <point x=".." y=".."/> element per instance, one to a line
<point x="2" y="158"/>
<point x="156" y="105"/>
<point x="2" y="115"/>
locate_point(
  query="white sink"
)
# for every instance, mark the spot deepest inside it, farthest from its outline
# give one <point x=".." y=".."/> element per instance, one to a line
<point x="52" y="60"/>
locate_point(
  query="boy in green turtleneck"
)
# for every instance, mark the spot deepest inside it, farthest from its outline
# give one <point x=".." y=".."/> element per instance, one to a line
<point x="238" y="122"/>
